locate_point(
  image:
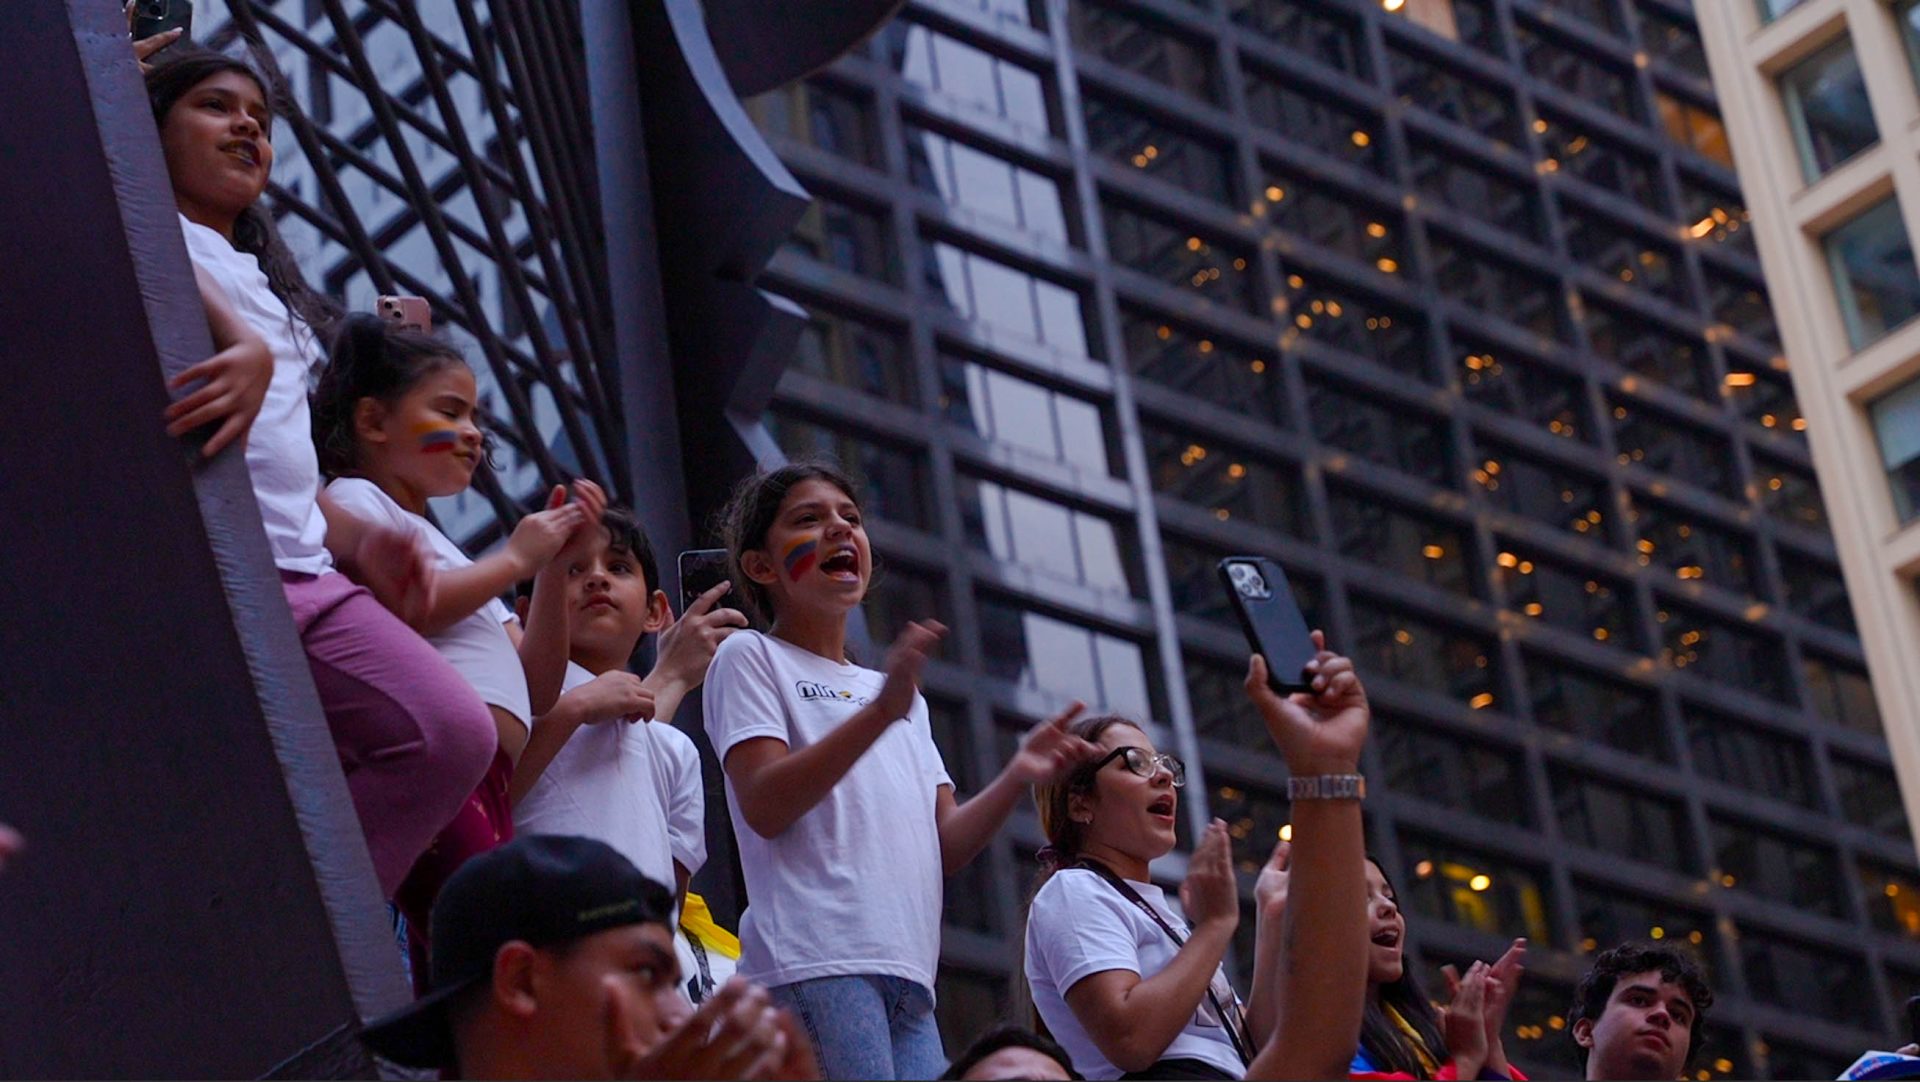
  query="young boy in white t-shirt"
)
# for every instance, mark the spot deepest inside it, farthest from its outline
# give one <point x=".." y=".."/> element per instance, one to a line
<point x="606" y="761"/>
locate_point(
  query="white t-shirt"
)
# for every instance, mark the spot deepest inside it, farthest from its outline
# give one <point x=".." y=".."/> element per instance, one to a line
<point x="477" y="646"/>
<point x="1080" y="925"/>
<point x="280" y="454"/>
<point x="854" y="885"/>
<point x="635" y="786"/>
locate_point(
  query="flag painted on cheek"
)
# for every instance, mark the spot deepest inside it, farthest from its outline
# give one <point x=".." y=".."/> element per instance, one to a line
<point x="435" y="437"/>
<point x="800" y="556"/>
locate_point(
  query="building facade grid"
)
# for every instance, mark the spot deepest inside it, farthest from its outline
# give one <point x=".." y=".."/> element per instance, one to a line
<point x="1453" y="310"/>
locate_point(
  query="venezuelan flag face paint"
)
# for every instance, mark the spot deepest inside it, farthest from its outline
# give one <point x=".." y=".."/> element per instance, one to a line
<point x="436" y="437"/>
<point x="800" y="557"/>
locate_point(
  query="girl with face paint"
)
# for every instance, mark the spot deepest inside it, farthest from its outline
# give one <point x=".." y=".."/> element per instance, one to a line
<point x="845" y="816"/>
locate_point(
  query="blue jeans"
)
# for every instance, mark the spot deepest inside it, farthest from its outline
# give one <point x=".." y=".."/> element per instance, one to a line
<point x="868" y="1026"/>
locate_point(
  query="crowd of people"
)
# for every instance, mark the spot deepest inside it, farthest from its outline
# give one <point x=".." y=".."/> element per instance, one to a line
<point x="536" y="819"/>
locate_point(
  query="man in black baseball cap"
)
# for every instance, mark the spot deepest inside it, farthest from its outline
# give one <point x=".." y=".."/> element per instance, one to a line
<point x="553" y="958"/>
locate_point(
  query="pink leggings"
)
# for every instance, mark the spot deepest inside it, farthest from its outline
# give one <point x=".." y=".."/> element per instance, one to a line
<point x="413" y="736"/>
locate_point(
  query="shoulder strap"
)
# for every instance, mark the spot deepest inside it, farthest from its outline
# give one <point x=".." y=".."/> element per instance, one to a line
<point x="1230" y="1020"/>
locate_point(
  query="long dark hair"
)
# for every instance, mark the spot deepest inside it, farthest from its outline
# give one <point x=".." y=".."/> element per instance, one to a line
<point x="370" y="358"/>
<point x="1384" y="1042"/>
<point x="254" y="233"/>
<point x="752" y="511"/>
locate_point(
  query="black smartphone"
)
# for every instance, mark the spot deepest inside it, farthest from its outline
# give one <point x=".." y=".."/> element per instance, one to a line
<point x="701" y="570"/>
<point x="1261" y="598"/>
<point x="152" y="17"/>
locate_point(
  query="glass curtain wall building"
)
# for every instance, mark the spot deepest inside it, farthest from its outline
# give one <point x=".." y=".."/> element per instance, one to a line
<point x="1453" y="309"/>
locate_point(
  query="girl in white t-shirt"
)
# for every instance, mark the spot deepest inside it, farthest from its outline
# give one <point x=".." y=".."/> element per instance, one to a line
<point x="412" y="737"/>
<point x="845" y="817"/>
<point x="395" y="424"/>
<point x="1132" y="987"/>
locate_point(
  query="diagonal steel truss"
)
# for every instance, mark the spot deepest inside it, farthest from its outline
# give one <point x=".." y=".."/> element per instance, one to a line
<point x="443" y="148"/>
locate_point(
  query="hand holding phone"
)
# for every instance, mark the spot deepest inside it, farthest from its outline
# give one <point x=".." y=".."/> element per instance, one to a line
<point x="411" y="313"/>
<point x="1271" y="619"/>
<point x="151" y="18"/>
<point x="701" y="570"/>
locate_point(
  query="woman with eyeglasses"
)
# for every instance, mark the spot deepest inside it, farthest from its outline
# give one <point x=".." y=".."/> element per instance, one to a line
<point x="1132" y="987"/>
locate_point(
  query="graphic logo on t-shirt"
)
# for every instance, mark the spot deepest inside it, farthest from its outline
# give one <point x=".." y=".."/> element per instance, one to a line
<point x="813" y="691"/>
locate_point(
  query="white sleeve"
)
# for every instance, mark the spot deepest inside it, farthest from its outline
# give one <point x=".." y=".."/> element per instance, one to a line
<point x="364" y="499"/>
<point x="1077" y="928"/>
<point x="931" y="761"/>
<point x="686" y="796"/>
<point x="498" y="609"/>
<point x="742" y="698"/>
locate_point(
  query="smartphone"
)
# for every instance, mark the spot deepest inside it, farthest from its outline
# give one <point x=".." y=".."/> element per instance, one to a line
<point x="152" y="17"/>
<point x="1258" y="591"/>
<point x="701" y="570"/>
<point x="411" y="313"/>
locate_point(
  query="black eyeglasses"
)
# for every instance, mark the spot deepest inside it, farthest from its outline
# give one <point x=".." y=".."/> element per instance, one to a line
<point x="1143" y="763"/>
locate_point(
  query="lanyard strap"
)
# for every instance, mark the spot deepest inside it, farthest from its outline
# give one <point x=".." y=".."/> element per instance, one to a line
<point x="1229" y="1020"/>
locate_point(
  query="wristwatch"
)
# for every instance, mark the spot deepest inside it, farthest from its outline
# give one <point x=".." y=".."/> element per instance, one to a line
<point x="1327" y="787"/>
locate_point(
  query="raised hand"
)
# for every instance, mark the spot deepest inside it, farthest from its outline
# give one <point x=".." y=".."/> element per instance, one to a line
<point x="905" y="659"/>
<point x="738" y="1033"/>
<point x="1320" y="731"/>
<point x="1270" y="889"/>
<point x="1210" y="894"/>
<point x="397" y="567"/>
<point x="613" y="695"/>
<point x="592" y="502"/>
<point x="686" y="646"/>
<point x="1464" y="1021"/>
<point x="1503" y="980"/>
<point x="146" y="47"/>
<point x="1050" y="750"/>
<point x="539" y="537"/>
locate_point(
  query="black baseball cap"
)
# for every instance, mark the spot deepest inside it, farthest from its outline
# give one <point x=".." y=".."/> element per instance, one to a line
<point x="543" y="889"/>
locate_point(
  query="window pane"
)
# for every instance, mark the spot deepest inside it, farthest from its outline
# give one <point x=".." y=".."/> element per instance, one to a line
<point x="971" y="179"/>
<point x="1425" y="653"/>
<point x="1896" y="424"/>
<point x="1229" y="481"/>
<point x="1575" y="598"/>
<point x="1131" y="137"/>
<point x="1478" y="891"/>
<point x="1143" y="48"/>
<point x="854" y="353"/>
<point x="1194" y="580"/>
<point x="1391" y="435"/>
<point x="1017" y="528"/>
<point x="1695" y="548"/>
<point x="1332" y="314"/>
<point x="1750" y="757"/>
<point x="1006" y="409"/>
<point x="1570" y="700"/>
<point x="955" y="69"/>
<point x="1609" y="917"/>
<point x="1682" y="450"/>
<point x="1647" y="348"/>
<point x="1334" y="219"/>
<point x="1221" y="371"/>
<point x="1471" y="776"/>
<point x="1311" y="118"/>
<point x="1007" y="300"/>
<point x="900" y="595"/>
<point x="1063" y="658"/>
<point x="853" y="238"/>
<point x="1209" y="266"/>
<point x="1872" y="262"/>
<point x="1870" y="797"/>
<point x="821" y="114"/>
<point x="1802" y="978"/>
<point x="1541" y="490"/>
<point x="1826" y="99"/>
<point x="1841" y="694"/>
<point x="1716" y="649"/>
<point x="1305" y="28"/>
<point x="1893" y="898"/>
<point x="1367" y="527"/>
<point x="1523" y="387"/>
<point x="1777" y="866"/>
<point x="1621" y="821"/>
